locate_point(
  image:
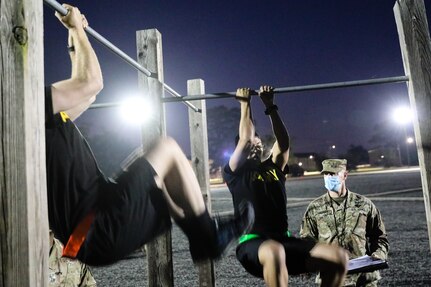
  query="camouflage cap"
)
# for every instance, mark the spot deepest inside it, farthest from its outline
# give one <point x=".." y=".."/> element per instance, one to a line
<point x="334" y="165"/>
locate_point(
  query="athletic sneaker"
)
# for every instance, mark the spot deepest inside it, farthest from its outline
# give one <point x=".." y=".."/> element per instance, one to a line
<point x="229" y="229"/>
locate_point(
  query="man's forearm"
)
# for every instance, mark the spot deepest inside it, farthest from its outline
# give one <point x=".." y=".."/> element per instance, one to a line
<point x="85" y="65"/>
<point x="280" y="131"/>
<point x="246" y="126"/>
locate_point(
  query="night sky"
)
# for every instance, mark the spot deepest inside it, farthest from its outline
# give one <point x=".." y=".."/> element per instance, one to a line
<point x="230" y="44"/>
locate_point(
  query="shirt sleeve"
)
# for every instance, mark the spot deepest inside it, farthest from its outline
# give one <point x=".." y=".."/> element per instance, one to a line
<point x="49" y="114"/>
<point x="228" y="174"/>
<point x="376" y="232"/>
<point x="308" y="225"/>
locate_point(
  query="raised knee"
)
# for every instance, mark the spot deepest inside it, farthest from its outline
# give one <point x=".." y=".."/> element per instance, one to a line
<point x="167" y="142"/>
<point x="168" y="145"/>
<point x="330" y="258"/>
<point x="272" y="252"/>
<point x="342" y="259"/>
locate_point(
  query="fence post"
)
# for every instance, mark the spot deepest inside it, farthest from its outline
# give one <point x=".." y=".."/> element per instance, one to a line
<point x="23" y="200"/>
<point x="411" y="19"/>
<point x="149" y="49"/>
<point x="200" y="163"/>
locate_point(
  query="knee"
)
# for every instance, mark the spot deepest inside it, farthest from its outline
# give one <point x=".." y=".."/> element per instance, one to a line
<point x="330" y="258"/>
<point x="338" y="258"/>
<point x="341" y="259"/>
<point x="167" y="142"/>
<point x="168" y="145"/>
<point x="272" y="253"/>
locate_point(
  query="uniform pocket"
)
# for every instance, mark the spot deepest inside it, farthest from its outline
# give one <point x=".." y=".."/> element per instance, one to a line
<point x="357" y="241"/>
<point x="325" y="225"/>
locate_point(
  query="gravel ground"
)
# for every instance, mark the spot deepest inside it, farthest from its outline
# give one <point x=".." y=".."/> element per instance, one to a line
<point x="409" y="257"/>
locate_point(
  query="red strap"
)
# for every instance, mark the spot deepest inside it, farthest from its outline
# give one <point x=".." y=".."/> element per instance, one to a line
<point x="78" y="236"/>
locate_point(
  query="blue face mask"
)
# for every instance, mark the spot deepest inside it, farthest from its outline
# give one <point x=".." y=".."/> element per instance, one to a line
<point x="332" y="183"/>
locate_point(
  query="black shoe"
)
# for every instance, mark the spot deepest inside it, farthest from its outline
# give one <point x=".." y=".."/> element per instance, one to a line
<point x="228" y="229"/>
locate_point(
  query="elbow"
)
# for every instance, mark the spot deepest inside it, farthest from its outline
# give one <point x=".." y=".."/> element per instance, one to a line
<point x="98" y="85"/>
<point x="96" y="82"/>
<point x="88" y="89"/>
<point x="93" y="80"/>
<point x="93" y="85"/>
<point x="91" y="100"/>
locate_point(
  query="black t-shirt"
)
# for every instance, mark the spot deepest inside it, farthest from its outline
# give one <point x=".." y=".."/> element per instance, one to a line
<point x="73" y="176"/>
<point x="263" y="184"/>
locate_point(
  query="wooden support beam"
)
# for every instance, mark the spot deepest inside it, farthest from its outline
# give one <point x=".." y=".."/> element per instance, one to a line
<point x="149" y="45"/>
<point x="23" y="200"/>
<point x="200" y="163"/>
<point x="413" y="32"/>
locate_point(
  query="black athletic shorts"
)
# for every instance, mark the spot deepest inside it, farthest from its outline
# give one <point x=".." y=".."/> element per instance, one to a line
<point x="132" y="212"/>
<point x="297" y="252"/>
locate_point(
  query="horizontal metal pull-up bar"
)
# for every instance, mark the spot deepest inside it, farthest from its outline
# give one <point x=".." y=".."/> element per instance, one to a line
<point x="63" y="11"/>
<point x="398" y="79"/>
<point x="212" y="96"/>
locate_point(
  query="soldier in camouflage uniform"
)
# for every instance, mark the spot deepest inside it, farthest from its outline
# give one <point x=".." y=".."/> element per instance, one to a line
<point x="66" y="272"/>
<point x="348" y="219"/>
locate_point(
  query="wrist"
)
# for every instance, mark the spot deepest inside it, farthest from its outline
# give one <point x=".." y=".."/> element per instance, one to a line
<point x="270" y="109"/>
<point x="77" y="32"/>
<point x="242" y="99"/>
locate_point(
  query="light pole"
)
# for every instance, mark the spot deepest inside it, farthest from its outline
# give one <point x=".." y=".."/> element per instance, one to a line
<point x="399" y="154"/>
<point x="331" y="151"/>
<point x="403" y="116"/>
<point x="409" y="140"/>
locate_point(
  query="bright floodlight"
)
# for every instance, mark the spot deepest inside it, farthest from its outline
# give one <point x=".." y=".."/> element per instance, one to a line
<point x="333" y="146"/>
<point x="402" y="115"/>
<point x="136" y="110"/>
<point x="410" y="140"/>
<point x="227" y="154"/>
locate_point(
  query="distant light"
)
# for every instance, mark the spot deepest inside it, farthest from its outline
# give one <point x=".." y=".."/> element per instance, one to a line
<point x="300" y="163"/>
<point x="136" y="110"/>
<point x="333" y="146"/>
<point x="227" y="154"/>
<point x="410" y="140"/>
<point x="382" y="156"/>
<point x="402" y="115"/>
<point x="311" y="157"/>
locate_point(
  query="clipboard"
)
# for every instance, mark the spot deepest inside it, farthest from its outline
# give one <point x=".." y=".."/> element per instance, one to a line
<point x="366" y="263"/>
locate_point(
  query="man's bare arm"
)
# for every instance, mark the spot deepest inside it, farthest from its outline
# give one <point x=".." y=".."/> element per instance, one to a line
<point x="75" y="95"/>
<point x="280" y="152"/>
<point x="246" y="130"/>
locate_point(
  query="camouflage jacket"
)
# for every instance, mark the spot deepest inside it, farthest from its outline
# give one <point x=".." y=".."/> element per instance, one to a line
<point x="355" y="224"/>
<point x="65" y="272"/>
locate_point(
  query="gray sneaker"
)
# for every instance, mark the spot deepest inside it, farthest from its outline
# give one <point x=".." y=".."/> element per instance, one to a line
<point x="229" y="229"/>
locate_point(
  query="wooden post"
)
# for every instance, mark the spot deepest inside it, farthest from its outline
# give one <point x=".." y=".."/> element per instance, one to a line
<point x="415" y="45"/>
<point x="23" y="200"/>
<point x="199" y="156"/>
<point x="149" y="45"/>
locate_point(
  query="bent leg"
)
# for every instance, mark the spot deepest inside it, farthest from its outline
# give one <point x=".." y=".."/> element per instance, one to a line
<point x="175" y="172"/>
<point x="272" y="256"/>
<point x="331" y="261"/>
<point x="208" y="237"/>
